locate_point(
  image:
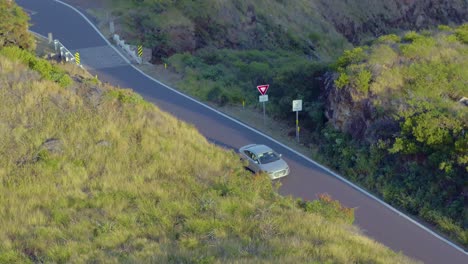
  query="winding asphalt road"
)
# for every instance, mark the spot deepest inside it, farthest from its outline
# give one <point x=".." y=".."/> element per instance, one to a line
<point x="307" y="179"/>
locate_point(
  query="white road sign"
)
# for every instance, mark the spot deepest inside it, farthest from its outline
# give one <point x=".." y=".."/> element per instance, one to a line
<point x="263" y="98"/>
<point x="297" y="105"/>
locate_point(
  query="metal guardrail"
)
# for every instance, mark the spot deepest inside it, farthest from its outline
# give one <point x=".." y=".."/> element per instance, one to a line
<point x="131" y="52"/>
<point x="65" y="54"/>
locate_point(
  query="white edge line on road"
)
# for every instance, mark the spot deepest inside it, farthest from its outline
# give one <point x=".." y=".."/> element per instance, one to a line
<point x="274" y="140"/>
<point x="95" y="28"/>
<point x="38" y="35"/>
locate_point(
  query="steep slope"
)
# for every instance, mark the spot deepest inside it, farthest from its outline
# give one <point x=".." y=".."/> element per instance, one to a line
<point x="404" y="101"/>
<point x="360" y="20"/>
<point x="185" y="26"/>
<point x="93" y="173"/>
<point x="318" y="28"/>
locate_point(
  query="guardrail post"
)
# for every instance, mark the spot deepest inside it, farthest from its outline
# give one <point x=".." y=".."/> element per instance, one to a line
<point x="129" y="50"/>
<point x="111" y="27"/>
<point x="62" y="53"/>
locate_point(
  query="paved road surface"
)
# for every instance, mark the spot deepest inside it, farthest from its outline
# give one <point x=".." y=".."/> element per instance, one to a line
<point x="307" y="180"/>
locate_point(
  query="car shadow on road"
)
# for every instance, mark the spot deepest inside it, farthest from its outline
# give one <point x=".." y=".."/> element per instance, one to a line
<point x="221" y="144"/>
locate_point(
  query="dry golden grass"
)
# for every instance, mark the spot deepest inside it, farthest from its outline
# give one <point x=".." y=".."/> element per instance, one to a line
<point x="114" y="179"/>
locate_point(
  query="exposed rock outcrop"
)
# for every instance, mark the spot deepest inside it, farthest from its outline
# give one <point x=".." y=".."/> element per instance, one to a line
<point x="464" y="101"/>
<point x="355" y="19"/>
<point x="52" y="145"/>
<point x="355" y="114"/>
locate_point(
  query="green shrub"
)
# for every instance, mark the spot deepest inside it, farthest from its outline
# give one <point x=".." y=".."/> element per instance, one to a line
<point x="353" y="56"/>
<point x="411" y="36"/>
<point x="444" y="28"/>
<point x="363" y="80"/>
<point x="342" y="80"/>
<point x="391" y="38"/>
<point x="331" y="209"/>
<point x="462" y="33"/>
<point x="64" y="80"/>
<point x="14" y="27"/>
<point x="127" y="96"/>
<point x="12" y="256"/>
<point x="218" y="96"/>
<point x="47" y="70"/>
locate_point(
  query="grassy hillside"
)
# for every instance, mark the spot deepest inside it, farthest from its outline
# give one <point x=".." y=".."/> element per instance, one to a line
<point x="400" y="104"/>
<point x="95" y="174"/>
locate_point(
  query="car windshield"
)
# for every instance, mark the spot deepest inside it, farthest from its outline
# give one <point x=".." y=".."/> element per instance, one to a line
<point x="268" y="157"/>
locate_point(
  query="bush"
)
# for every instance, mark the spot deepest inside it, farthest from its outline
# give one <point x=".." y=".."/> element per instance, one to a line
<point x="218" y="96"/>
<point x="127" y="96"/>
<point x="353" y="56"/>
<point x="326" y="206"/>
<point x="462" y="33"/>
<point x="444" y="28"/>
<point x="42" y="66"/>
<point x="411" y="36"/>
<point x="421" y="159"/>
<point x="342" y="80"/>
<point x="14" y="27"/>
<point x="363" y="80"/>
<point x="391" y="38"/>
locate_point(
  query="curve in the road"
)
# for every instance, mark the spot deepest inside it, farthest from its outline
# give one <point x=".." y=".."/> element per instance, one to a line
<point x="377" y="219"/>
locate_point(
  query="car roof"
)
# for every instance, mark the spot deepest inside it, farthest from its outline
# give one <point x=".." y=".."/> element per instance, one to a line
<point x="257" y="149"/>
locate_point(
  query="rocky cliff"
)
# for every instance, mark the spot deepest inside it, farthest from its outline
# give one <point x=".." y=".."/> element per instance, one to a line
<point x="396" y="79"/>
<point x="358" y="19"/>
<point x="350" y="112"/>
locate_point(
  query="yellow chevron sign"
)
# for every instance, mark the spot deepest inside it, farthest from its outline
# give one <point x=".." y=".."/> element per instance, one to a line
<point x="140" y="51"/>
<point x="77" y="58"/>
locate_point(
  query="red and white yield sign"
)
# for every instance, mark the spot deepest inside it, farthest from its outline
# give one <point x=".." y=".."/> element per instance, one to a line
<point x="263" y="88"/>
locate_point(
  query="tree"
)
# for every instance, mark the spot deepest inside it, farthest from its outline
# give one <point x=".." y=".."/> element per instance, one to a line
<point x="14" y="27"/>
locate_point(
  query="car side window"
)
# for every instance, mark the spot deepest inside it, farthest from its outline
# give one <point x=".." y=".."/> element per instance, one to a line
<point x="249" y="154"/>
<point x="254" y="157"/>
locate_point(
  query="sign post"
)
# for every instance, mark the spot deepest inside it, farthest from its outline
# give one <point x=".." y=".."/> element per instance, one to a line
<point x="297" y="106"/>
<point x="263" y="97"/>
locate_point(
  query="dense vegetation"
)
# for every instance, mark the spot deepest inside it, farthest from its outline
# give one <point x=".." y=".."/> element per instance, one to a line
<point x="224" y="50"/>
<point x="14" y="27"/>
<point x="414" y="150"/>
<point x="170" y="27"/>
<point x="43" y="67"/>
<point x="95" y="174"/>
<point x="318" y="28"/>
<point x="230" y="77"/>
